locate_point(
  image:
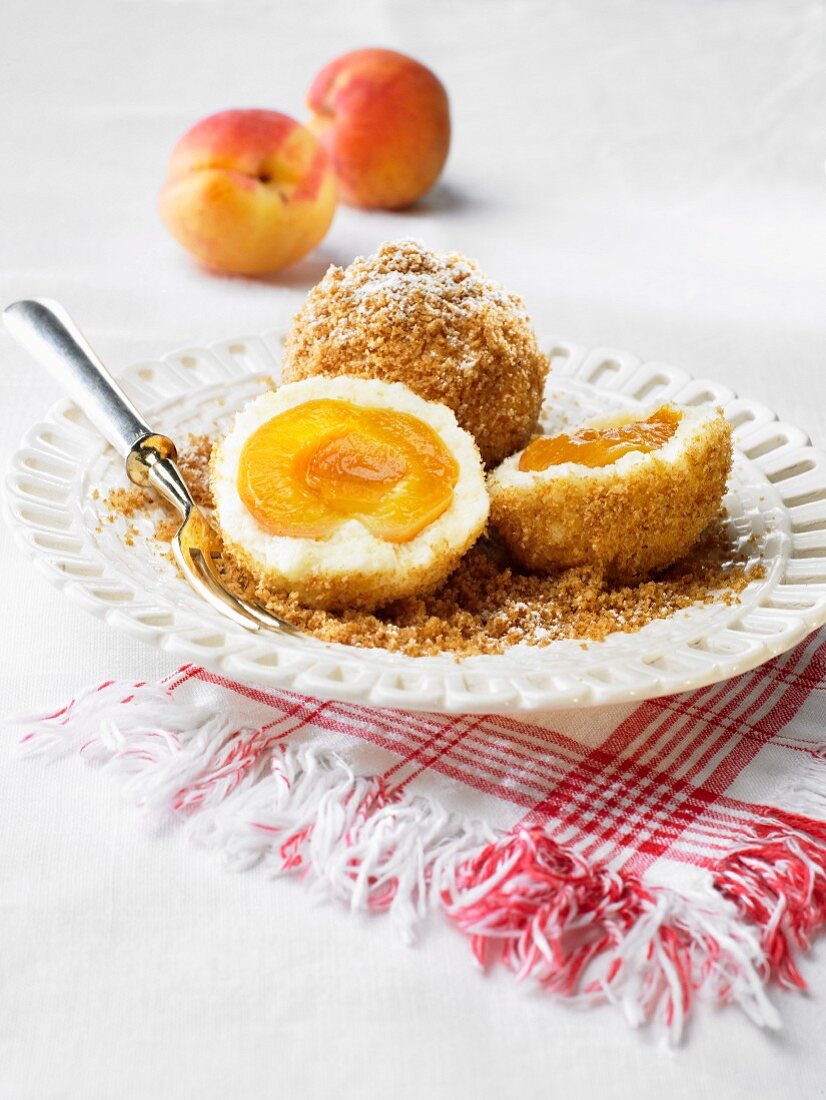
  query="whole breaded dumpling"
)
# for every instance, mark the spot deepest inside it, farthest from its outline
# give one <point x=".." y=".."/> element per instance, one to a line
<point x="638" y="513"/>
<point x="435" y="322"/>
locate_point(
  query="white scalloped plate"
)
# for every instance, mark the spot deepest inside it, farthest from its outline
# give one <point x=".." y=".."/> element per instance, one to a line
<point x="777" y="505"/>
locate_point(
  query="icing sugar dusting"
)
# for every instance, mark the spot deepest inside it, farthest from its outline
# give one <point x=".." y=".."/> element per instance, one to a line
<point x="406" y="281"/>
<point x="436" y="322"/>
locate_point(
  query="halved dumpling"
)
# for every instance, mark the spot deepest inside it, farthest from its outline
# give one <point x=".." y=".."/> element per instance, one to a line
<point x="630" y="492"/>
<point x="349" y="492"/>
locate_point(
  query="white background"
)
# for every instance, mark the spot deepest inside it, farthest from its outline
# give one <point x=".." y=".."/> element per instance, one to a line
<point x="649" y="175"/>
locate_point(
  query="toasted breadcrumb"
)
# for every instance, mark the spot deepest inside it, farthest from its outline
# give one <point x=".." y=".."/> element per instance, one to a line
<point x="488" y="604"/>
<point x="166" y="529"/>
<point x="435" y="322"/>
<point x="126" y="502"/>
<point x="193" y="462"/>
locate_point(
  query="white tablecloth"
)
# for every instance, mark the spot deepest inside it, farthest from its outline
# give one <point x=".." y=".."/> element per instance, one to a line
<point x="648" y="174"/>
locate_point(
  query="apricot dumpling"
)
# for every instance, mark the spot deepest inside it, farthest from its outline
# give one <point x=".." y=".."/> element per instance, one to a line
<point x="347" y="491"/>
<point x="628" y="493"/>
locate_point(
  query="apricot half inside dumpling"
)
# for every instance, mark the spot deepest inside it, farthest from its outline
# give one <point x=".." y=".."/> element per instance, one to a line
<point x="631" y="492"/>
<point x="348" y="491"/>
<point x="309" y="469"/>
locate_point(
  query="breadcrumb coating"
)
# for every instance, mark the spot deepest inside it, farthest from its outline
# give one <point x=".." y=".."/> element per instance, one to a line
<point x="435" y="322"/>
<point x="639" y="520"/>
<point x="355" y="590"/>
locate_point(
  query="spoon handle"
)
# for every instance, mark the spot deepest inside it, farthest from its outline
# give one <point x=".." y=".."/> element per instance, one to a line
<point x="47" y="331"/>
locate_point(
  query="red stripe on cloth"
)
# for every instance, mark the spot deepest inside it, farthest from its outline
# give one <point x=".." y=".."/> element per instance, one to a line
<point x="439" y="752"/>
<point x="798" y="689"/>
<point x="592" y="802"/>
<point x="658" y="800"/>
<point x="661" y="829"/>
<point x="418" y="754"/>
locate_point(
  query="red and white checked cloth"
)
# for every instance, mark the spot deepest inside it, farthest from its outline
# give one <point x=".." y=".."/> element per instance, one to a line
<point x="646" y="855"/>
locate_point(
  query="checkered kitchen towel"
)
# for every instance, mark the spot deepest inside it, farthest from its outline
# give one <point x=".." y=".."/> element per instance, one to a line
<point x="647" y="855"/>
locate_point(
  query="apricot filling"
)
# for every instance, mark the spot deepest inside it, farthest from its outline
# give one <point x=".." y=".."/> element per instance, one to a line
<point x="311" y="468"/>
<point x="595" y="447"/>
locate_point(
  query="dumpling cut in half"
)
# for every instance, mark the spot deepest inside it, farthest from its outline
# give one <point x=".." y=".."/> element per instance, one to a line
<point x="349" y="492"/>
<point x="630" y="492"/>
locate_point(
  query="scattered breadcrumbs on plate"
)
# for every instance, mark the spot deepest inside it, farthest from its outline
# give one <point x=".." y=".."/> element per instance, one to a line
<point x="127" y="502"/>
<point x="487" y="604"/>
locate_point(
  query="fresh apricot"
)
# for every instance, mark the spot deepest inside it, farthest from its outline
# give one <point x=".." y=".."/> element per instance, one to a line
<point x="384" y="119"/>
<point x="248" y="192"/>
